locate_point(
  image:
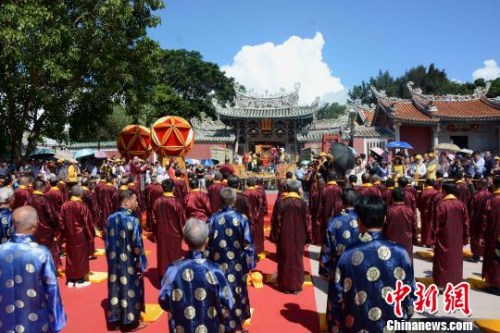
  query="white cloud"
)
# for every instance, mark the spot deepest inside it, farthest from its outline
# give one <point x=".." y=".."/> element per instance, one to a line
<point x="269" y="67"/>
<point x="489" y="71"/>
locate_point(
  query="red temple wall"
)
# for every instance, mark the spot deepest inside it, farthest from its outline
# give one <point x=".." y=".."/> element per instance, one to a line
<point x="418" y="136"/>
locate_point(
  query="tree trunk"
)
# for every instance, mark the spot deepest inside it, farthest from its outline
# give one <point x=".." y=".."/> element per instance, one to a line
<point x="16" y="145"/>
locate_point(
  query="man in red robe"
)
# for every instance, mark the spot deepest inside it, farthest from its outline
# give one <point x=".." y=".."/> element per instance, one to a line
<point x="291" y="234"/>
<point x="168" y="222"/>
<point x="76" y="224"/>
<point x="21" y="194"/>
<point x="451" y="234"/>
<point x="136" y="189"/>
<point x="61" y="184"/>
<point x="463" y="189"/>
<point x="377" y="183"/>
<point x="330" y="200"/>
<point x="214" y="192"/>
<point x="401" y="223"/>
<point x="105" y="200"/>
<point x="478" y="219"/>
<point x="424" y="205"/>
<point x="153" y="192"/>
<point x="55" y="196"/>
<point x="387" y="195"/>
<point x="88" y="198"/>
<point x="180" y="189"/>
<point x="226" y="169"/>
<point x="197" y="202"/>
<point x="242" y="203"/>
<point x="410" y="193"/>
<point x="491" y="262"/>
<point x="315" y="190"/>
<point x="367" y="188"/>
<point x="48" y="222"/>
<point x="256" y="207"/>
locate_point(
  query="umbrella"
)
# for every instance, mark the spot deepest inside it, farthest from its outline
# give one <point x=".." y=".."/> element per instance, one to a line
<point x="353" y="151"/>
<point x="63" y="155"/>
<point x="466" y="151"/>
<point x="344" y="157"/>
<point x="447" y="146"/>
<point x="84" y="153"/>
<point x="399" y="145"/>
<point x="209" y="162"/>
<point x="192" y="161"/>
<point x="376" y="150"/>
<point x="41" y="153"/>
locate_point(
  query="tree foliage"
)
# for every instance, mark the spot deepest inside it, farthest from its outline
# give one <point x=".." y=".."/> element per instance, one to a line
<point x="331" y="111"/>
<point x="431" y="80"/>
<point x="71" y="60"/>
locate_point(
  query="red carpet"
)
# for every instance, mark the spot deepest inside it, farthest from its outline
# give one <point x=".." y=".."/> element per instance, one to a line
<point x="274" y="311"/>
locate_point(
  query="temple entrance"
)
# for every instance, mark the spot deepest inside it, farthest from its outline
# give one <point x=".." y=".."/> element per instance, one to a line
<point x="460" y="140"/>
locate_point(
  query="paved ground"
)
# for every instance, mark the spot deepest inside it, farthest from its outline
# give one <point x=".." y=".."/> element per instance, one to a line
<point x="483" y="305"/>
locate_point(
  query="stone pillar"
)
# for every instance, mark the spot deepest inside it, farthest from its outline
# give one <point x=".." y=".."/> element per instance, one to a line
<point x="397" y="135"/>
<point x="236" y="144"/>
<point x="435" y="137"/>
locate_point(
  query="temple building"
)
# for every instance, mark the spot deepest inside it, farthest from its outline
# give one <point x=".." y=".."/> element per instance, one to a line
<point x="469" y="121"/>
<point x="264" y="121"/>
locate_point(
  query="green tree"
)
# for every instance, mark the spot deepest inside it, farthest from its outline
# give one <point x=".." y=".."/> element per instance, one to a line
<point x="331" y="111"/>
<point x="188" y="85"/>
<point x="70" y="60"/>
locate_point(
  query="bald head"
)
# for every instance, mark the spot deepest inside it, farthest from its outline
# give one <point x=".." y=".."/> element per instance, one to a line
<point x="25" y="220"/>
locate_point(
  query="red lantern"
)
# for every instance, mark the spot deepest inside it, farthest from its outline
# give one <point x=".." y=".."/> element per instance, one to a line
<point x="172" y="136"/>
<point x="134" y="140"/>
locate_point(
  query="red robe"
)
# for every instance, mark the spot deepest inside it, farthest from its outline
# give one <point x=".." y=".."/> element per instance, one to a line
<point x="242" y="205"/>
<point x="425" y="204"/>
<point x="214" y="194"/>
<point x="141" y="205"/>
<point x="153" y="192"/>
<point x="21" y="195"/>
<point x="387" y="196"/>
<point x="369" y="189"/>
<point x="257" y="222"/>
<point x="491" y="261"/>
<point x="463" y="192"/>
<point x="168" y="221"/>
<point x="401" y="226"/>
<point x="478" y="221"/>
<point x="76" y="223"/>
<point x="64" y="189"/>
<point x="105" y="200"/>
<point x="88" y="198"/>
<point x="452" y="233"/>
<point x="56" y="199"/>
<point x="180" y="190"/>
<point x="330" y="203"/>
<point x="292" y="233"/>
<point x="198" y="205"/>
<point x="382" y="188"/>
<point x="48" y="224"/>
<point x="314" y="202"/>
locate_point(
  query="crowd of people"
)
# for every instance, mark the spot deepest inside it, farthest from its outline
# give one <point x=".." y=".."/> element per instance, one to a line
<point x="366" y="225"/>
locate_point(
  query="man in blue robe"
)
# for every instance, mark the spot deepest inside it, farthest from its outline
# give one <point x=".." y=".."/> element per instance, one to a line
<point x="30" y="298"/>
<point x="366" y="272"/>
<point x="194" y="290"/>
<point x="126" y="264"/>
<point x="341" y="231"/>
<point x="6" y="225"/>
<point x="230" y="246"/>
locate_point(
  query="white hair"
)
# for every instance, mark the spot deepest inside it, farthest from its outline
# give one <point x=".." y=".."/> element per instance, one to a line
<point x="6" y="194"/>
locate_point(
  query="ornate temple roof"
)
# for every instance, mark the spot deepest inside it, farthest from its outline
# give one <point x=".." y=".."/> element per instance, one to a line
<point x="281" y="105"/>
<point x="431" y="109"/>
<point x="211" y="131"/>
<point x="315" y="131"/>
<point x="372" y="132"/>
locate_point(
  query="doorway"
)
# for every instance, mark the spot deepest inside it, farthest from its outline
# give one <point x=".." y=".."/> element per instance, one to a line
<point x="460" y="140"/>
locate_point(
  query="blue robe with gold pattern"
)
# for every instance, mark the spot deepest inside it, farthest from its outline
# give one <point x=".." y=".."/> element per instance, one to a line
<point x="126" y="262"/>
<point x="365" y="273"/>
<point x="231" y="247"/>
<point x="6" y="225"/>
<point x="30" y="301"/>
<point x="196" y="294"/>
<point x="341" y="231"/>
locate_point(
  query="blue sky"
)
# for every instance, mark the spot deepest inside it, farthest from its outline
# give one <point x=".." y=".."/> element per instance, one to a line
<point x="358" y="37"/>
